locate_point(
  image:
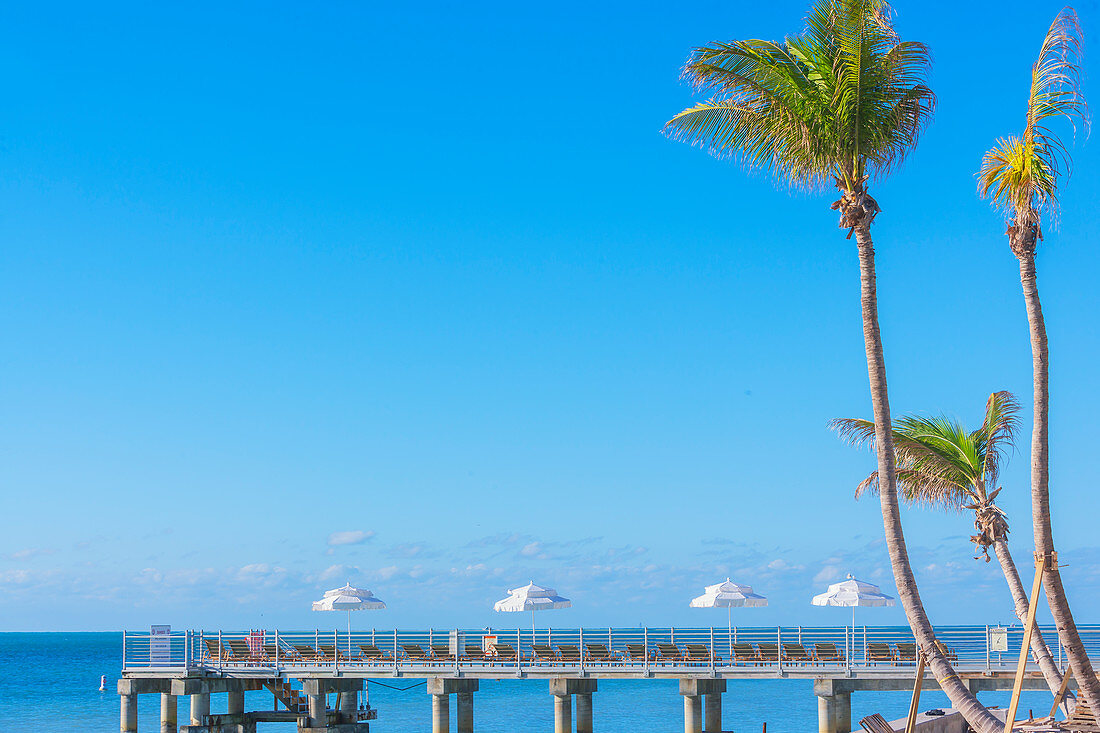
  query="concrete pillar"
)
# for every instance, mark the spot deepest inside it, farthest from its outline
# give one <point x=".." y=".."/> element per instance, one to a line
<point x="826" y="714"/>
<point x="317" y="717"/>
<point x="843" y="712"/>
<point x="464" y="701"/>
<point x="584" y="712"/>
<point x="713" y="706"/>
<point x="441" y="713"/>
<point x="168" y="716"/>
<point x="693" y="714"/>
<point x="463" y="689"/>
<point x="563" y="714"/>
<point x="693" y="690"/>
<point x="200" y="707"/>
<point x="349" y="702"/>
<point x="236" y="702"/>
<point x="127" y="720"/>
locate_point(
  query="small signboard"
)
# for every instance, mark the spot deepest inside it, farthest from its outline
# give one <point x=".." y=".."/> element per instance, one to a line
<point x="489" y="645"/>
<point x="160" y="643"/>
<point x="998" y="639"/>
<point x="456" y="643"/>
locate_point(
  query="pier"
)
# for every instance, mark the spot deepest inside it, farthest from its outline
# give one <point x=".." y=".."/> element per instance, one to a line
<point x="318" y="679"/>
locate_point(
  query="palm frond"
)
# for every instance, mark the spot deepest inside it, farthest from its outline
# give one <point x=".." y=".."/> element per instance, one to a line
<point x="997" y="433"/>
<point x="939" y="462"/>
<point x="1020" y="174"/>
<point x="843" y="100"/>
<point x="921" y="489"/>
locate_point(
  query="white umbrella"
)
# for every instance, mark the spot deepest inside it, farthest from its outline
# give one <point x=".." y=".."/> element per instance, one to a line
<point x="348" y="599"/>
<point x="531" y="598"/>
<point x="853" y="593"/>
<point x="729" y="595"/>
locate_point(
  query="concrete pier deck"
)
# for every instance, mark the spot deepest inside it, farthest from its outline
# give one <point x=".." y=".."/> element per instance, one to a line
<point x="305" y="670"/>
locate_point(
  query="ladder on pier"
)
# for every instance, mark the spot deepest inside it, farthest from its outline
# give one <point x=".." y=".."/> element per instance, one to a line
<point x="294" y="701"/>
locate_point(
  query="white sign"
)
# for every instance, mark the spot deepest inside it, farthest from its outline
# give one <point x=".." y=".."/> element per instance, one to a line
<point x="160" y="643"/>
<point x="457" y="643"/>
<point x="998" y="639"/>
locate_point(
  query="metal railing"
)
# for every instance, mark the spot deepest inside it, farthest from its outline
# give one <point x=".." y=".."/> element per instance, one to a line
<point x="630" y="649"/>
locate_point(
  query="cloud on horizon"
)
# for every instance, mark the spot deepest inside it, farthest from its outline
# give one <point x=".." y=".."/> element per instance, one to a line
<point x="349" y="537"/>
<point x="423" y="583"/>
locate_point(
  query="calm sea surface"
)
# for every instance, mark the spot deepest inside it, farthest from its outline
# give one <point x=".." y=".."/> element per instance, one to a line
<point x="49" y="682"/>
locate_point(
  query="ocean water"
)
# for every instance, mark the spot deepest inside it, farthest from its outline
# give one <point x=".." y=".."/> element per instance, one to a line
<point x="50" y="681"/>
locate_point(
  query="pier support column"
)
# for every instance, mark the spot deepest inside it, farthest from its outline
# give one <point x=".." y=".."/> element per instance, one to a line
<point x="317" y="691"/>
<point x="464" y="701"/>
<point x="236" y="702"/>
<point x="834" y="705"/>
<point x="563" y="689"/>
<point x="200" y="707"/>
<point x="349" y="702"/>
<point x="563" y="714"/>
<point x="168" y="713"/>
<point x="317" y="709"/>
<point x="584" y="712"/>
<point x="463" y="689"/>
<point x="441" y="714"/>
<point x="843" y="712"/>
<point x="127" y="719"/>
<point x="693" y="714"/>
<point x="826" y="714"/>
<point x="712" y="722"/>
<point x="694" y="690"/>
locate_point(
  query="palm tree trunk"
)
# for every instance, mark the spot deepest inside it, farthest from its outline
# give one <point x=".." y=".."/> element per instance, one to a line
<point x="1039" y="647"/>
<point x="1040" y="500"/>
<point x="961" y="697"/>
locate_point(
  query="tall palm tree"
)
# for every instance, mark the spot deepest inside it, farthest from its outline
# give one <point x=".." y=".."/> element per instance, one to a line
<point x="941" y="464"/>
<point x="1021" y="175"/>
<point x="840" y="103"/>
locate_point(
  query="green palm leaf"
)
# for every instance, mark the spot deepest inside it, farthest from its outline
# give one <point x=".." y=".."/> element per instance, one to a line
<point x="940" y="463"/>
<point x="844" y="100"/>
<point x="1020" y="173"/>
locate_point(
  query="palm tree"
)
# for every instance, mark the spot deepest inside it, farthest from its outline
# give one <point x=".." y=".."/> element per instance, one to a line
<point x="1021" y="175"/>
<point x="842" y="102"/>
<point x="941" y="464"/>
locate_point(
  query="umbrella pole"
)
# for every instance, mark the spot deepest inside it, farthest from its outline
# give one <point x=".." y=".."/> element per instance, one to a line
<point x="349" y="633"/>
<point x="729" y="628"/>
<point x="853" y="652"/>
<point x="533" y="626"/>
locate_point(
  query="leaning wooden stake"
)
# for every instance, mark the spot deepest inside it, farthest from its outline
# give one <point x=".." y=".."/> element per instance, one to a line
<point x="1033" y="606"/>
<point x="911" y="723"/>
<point x="1061" y="691"/>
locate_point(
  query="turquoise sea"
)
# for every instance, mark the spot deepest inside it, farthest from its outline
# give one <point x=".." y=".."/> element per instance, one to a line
<point x="50" y="681"/>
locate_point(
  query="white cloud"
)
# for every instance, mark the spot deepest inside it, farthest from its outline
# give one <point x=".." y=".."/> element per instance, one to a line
<point x="349" y="537"/>
<point x="387" y="572"/>
<point x="14" y="577"/>
<point x="408" y="550"/>
<point x="28" y="553"/>
<point x="340" y="572"/>
<point x="261" y="574"/>
<point x="827" y="573"/>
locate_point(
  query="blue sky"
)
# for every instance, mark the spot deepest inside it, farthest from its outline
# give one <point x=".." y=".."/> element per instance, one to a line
<point x="420" y="298"/>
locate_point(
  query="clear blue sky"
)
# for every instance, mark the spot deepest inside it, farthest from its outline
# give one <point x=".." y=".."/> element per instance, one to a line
<point x="417" y="296"/>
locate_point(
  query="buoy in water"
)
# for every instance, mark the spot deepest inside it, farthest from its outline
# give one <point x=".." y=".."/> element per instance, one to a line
<point x="102" y="683"/>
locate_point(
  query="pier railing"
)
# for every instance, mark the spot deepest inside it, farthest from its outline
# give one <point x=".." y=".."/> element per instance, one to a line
<point x="987" y="648"/>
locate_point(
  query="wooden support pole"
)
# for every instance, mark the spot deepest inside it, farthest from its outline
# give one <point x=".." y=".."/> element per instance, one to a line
<point x="914" y="702"/>
<point x="1061" y="695"/>
<point x="1025" y="645"/>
